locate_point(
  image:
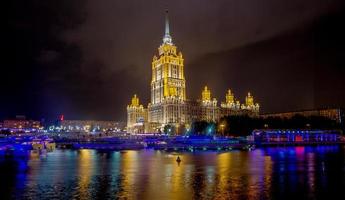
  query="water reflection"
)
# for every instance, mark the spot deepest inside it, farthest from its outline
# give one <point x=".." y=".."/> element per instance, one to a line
<point x="270" y="173"/>
<point x="129" y="167"/>
<point x="84" y="173"/>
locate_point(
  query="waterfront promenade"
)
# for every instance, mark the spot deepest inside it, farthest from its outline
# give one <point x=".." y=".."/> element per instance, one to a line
<point x="138" y="142"/>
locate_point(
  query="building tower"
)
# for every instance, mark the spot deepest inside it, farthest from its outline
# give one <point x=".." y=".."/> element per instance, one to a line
<point x="168" y="84"/>
<point x="230" y="101"/>
<point x="249" y="106"/>
<point x="209" y="107"/>
<point x="136" y="116"/>
<point x="230" y="106"/>
<point x="206" y="95"/>
<point x="167" y="71"/>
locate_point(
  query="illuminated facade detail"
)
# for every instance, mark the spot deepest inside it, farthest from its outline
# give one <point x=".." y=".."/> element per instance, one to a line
<point x="230" y="101"/>
<point x="250" y="105"/>
<point x="209" y="109"/>
<point x="249" y="100"/>
<point x="169" y="104"/>
<point x="206" y="95"/>
<point x="231" y="106"/>
<point x="136" y="116"/>
<point x="229" y="98"/>
<point x="135" y="101"/>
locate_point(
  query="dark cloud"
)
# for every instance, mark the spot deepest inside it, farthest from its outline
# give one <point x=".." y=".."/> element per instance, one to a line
<point x="86" y="58"/>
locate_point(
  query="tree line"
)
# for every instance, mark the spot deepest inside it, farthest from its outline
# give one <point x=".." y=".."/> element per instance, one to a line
<point x="244" y="125"/>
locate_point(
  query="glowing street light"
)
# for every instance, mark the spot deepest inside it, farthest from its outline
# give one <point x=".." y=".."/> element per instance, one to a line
<point x="222" y="126"/>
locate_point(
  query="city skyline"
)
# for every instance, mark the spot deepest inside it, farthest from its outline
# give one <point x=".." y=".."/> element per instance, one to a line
<point x="173" y="99"/>
<point x="87" y="65"/>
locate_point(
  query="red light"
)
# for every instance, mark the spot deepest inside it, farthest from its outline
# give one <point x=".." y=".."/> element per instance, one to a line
<point x="299" y="150"/>
<point x="299" y="138"/>
<point x="61" y="118"/>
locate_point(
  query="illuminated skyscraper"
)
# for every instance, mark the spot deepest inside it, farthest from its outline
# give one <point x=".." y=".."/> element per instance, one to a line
<point x="167" y="71"/>
<point x="169" y="105"/>
<point x="168" y="84"/>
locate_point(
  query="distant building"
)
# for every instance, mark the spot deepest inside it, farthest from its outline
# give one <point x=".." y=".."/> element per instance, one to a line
<point x="285" y="136"/>
<point x="336" y="114"/>
<point x="169" y="104"/>
<point x="21" y="123"/>
<point x="91" y="125"/>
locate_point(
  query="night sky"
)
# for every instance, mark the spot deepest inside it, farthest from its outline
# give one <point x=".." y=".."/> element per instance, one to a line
<point x="85" y="59"/>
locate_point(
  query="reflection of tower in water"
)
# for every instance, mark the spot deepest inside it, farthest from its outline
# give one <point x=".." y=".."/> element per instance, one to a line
<point x="224" y="161"/>
<point x="129" y="166"/>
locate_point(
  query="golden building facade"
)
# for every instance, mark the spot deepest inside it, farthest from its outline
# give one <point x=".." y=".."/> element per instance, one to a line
<point x="136" y="116"/>
<point x="169" y="104"/>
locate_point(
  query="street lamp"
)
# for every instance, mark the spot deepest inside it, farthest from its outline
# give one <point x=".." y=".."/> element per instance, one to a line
<point x="222" y="126"/>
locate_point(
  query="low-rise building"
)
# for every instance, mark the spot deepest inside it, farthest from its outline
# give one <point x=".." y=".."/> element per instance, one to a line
<point x="91" y="125"/>
<point x="336" y="114"/>
<point x="21" y="123"/>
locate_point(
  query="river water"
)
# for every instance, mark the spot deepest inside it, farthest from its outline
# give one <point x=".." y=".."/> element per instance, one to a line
<point x="267" y="173"/>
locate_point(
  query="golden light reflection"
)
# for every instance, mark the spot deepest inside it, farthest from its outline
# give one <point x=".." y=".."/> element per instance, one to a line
<point x="168" y="179"/>
<point x="129" y="167"/>
<point x="268" y="166"/>
<point x="155" y="173"/>
<point x="174" y="177"/>
<point x="85" y="170"/>
<point x="35" y="167"/>
<point x="210" y="173"/>
<point x="224" y="162"/>
<point x="177" y="178"/>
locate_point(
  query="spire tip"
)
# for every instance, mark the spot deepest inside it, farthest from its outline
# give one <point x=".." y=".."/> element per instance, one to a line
<point x="167" y="38"/>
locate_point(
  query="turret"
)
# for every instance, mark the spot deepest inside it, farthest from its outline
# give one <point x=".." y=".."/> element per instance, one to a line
<point x="229" y="97"/>
<point x="249" y="100"/>
<point x="135" y="101"/>
<point x="206" y="98"/>
<point x="208" y="106"/>
<point x="230" y="101"/>
<point x="136" y="116"/>
<point x="250" y="105"/>
<point x="206" y="94"/>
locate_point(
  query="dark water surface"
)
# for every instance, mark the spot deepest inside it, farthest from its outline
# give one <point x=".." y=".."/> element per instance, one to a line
<point x="269" y="173"/>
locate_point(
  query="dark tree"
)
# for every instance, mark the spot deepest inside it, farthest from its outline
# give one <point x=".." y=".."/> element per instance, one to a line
<point x="169" y="129"/>
<point x="243" y="125"/>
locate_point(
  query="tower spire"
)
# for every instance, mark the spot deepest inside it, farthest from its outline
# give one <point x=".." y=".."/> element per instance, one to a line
<point x="167" y="32"/>
<point x="167" y="38"/>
